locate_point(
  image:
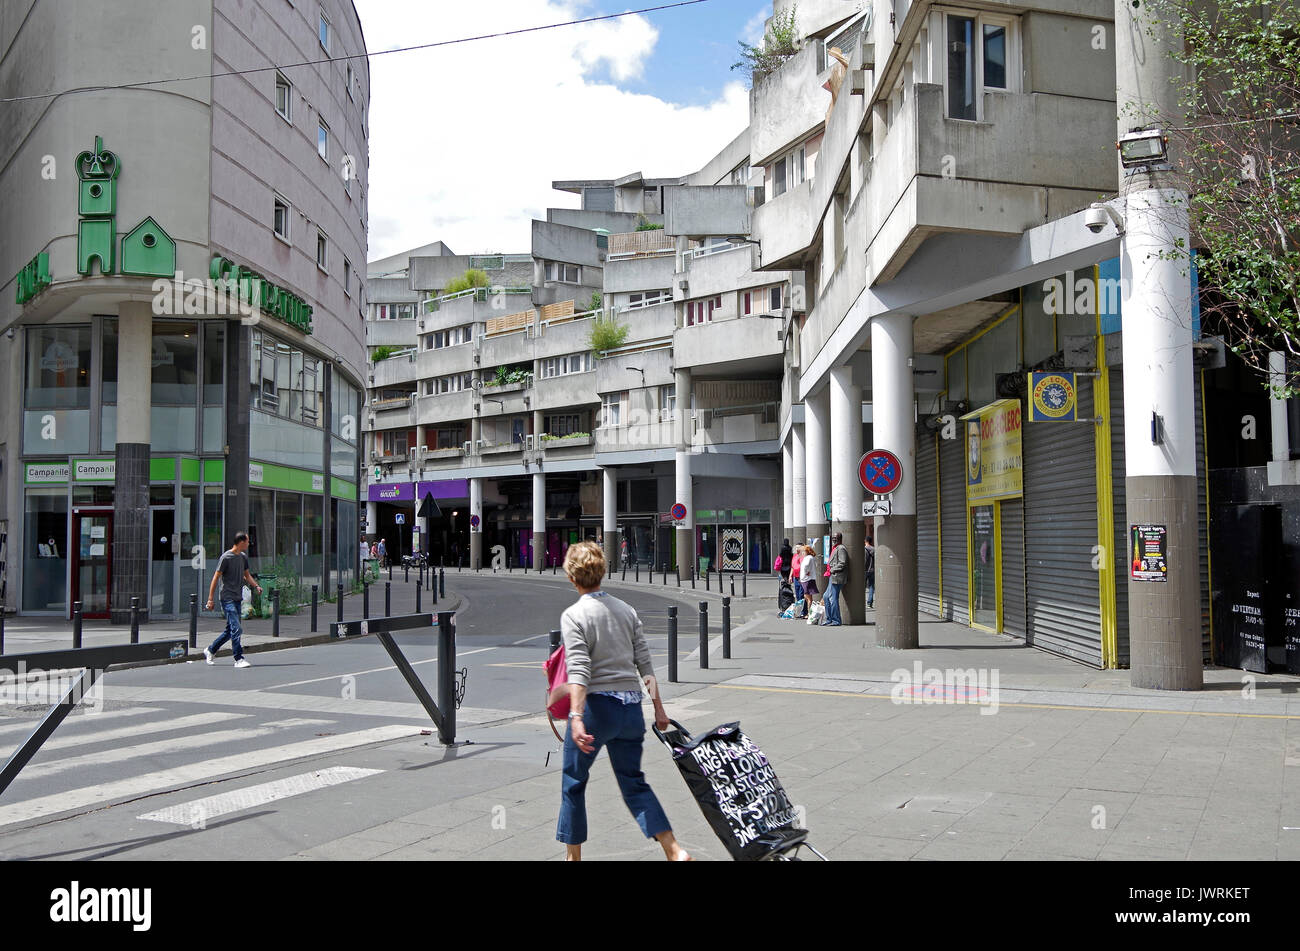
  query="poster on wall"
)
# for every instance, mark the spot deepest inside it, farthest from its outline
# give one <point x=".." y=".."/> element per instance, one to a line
<point x="994" y="459"/>
<point x="733" y="549"/>
<point x="1150" y="552"/>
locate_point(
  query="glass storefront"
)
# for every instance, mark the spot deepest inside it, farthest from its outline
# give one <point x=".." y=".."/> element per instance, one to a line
<point x="57" y="387"/>
<point x="734" y="540"/>
<point x="45" y="555"/>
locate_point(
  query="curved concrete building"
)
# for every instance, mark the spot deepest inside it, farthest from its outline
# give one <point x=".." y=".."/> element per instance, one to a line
<point x="181" y="345"/>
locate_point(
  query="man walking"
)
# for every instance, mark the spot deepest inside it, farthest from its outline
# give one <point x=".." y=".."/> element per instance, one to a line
<point x="839" y="566"/>
<point x="232" y="570"/>
<point x="870" y="553"/>
<point x="383" y="554"/>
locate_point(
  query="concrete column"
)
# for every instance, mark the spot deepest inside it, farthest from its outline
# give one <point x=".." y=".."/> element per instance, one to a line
<point x="787" y="491"/>
<point x="817" y="447"/>
<point x="1159" y="380"/>
<point x="682" y="467"/>
<point x="846" y="488"/>
<point x="798" y="486"/>
<point x="1280" y="432"/>
<point x="609" y="521"/>
<point x="892" y="398"/>
<point x="372" y="518"/>
<point x="539" y="520"/>
<point x="131" y="548"/>
<point x="476" y="531"/>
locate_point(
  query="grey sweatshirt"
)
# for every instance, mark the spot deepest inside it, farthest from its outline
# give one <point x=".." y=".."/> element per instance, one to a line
<point x="604" y="644"/>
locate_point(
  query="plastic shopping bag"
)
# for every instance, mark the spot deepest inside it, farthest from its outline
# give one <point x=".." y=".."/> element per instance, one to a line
<point x="246" y="605"/>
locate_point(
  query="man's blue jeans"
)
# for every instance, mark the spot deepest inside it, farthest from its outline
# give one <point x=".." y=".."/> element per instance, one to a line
<point x="621" y="728"/>
<point x="832" y="600"/>
<point x="233" y="631"/>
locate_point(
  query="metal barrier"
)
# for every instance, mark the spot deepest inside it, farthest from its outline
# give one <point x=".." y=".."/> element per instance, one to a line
<point x="443" y="713"/>
<point x="93" y="662"/>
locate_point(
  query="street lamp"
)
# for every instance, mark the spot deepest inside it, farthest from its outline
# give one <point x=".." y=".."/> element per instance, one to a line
<point x="1143" y="148"/>
<point x="638" y="370"/>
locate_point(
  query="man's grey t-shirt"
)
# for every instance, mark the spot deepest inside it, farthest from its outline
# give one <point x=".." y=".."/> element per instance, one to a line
<point x="231" y="567"/>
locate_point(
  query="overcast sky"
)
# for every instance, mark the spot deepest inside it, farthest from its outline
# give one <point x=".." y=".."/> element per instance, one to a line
<point x="465" y="140"/>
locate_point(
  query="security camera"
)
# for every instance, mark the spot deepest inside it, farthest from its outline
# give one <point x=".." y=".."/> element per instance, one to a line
<point x="1098" y="213"/>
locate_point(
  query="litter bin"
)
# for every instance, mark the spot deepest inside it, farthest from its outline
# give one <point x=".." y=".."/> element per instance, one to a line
<point x="372" y="570"/>
<point x="262" y="602"/>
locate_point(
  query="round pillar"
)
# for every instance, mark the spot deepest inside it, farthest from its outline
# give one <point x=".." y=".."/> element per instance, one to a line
<point x="798" y="485"/>
<point x="476" y="531"/>
<point x="609" y="515"/>
<point x="131" y="541"/>
<point x="539" y="520"/>
<point x="817" y="424"/>
<point x="846" y="488"/>
<point x="892" y="398"/>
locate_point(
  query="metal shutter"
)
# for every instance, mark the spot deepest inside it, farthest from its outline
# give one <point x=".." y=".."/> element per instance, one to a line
<point x="952" y="489"/>
<point x="927" y="524"/>
<point x="1062" y="590"/>
<point x="1119" y="544"/>
<point x="1014" y="612"/>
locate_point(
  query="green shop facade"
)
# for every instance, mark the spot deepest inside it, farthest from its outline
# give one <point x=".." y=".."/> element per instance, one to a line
<point x="150" y="436"/>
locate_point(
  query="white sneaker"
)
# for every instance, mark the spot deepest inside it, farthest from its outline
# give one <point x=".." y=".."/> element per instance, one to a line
<point x="243" y="662"/>
<point x="207" y="656"/>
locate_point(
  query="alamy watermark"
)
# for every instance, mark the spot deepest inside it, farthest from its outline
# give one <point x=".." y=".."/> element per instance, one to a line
<point x="932" y="685"/>
<point x="37" y="687"/>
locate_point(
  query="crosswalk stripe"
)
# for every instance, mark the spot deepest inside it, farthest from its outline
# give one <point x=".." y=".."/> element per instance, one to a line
<point x="60" y="742"/>
<point x="198" y="811"/>
<point x="122" y="754"/>
<point x="177" y="777"/>
<point x="75" y="719"/>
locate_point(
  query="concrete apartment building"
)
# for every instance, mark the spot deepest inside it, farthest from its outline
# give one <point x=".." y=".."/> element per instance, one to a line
<point x="181" y="336"/>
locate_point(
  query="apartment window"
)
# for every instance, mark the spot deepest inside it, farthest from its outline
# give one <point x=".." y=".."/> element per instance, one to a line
<point x="980" y="57"/>
<point x="563" y="273"/>
<point x="322" y="252"/>
<point x="648" y="298"/>
<point x="567" y="364"/>
<point x="324" y="31"/>
<point x="426" y="342"/>
<point x="381" y="311"/>
<point x="611" y="408"/>
<point x="563" y="425"/>
<point x="427" y="387"/>
<point x="774" y="298"/>
<point x="283" y="97"/>
<point x="453" y="383"/>
<point x="778" y="178"/>
<point x="323" y="139"/>
<point x="450" y="338"/>
<point x="395" y="443"/>
<point x="701" y="311"/>
<point x="281" y="218"/>
<point x="667" y="401"/>
<point x="347" y="277"/>
<point x="450" y="438"/>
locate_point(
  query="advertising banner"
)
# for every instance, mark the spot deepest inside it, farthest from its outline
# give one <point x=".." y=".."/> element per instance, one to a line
<point x="994" y="462"/>
<point x="393" y="492"/>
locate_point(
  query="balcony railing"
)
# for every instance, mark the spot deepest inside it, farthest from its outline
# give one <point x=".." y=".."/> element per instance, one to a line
<point x="766" y="413"/>
<point x="399" y="402"/>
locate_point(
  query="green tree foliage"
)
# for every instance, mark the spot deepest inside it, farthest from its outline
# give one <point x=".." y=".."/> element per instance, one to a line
<point x="471" y="278"/>
<point x="382" y="353"/>
<point x="780" y="42"/>
<point x="1241" y="158"/>
<point x="606" y="335"/>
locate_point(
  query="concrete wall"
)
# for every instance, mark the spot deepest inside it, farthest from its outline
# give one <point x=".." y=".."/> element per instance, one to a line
<point x="785" y="106"/>
<point x="554" y="242"/>
<point x="395" y="290"/>
<point x="615" y="222"/>
<point x="445" y="360"/>
<point x="732" y="340"/>
<point x="435" y="273"/>
<point x="392" y="333"/>
<point x="1060" y="57"/>
<point x="650" y="323"/>
<point x="785" y="225"/>
<point x="561" y="392"/>
<point x="649" y="272"/>
<point x="717" y="171"/>
<point x="700" y="211"/>
<point x="255" y="152"/>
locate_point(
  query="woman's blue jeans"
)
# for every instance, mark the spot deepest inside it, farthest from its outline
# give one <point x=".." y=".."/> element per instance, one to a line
<point x="620" y="727"/>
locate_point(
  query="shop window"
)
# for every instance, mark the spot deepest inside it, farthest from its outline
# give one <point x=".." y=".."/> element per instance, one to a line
<point x="45" y="556"/>
<point x="57" y="393"/>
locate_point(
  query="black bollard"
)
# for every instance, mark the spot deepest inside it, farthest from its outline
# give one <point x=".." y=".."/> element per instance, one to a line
<point x="390" y="569"/>
<point x="194" y="621"/>
<point x="135" y="620"/>
<point x="692" y="577"/>
<point x="315" y="600"/>
<point x="704" y="635"/>
<point x="637" y="573"/>
<point x="664" y="568"/>
<point x="744" y="580"/>
<point x="442" y="584"/>
<point x="624" y="578"/>
<point x="677" y="571"/>
<point x="76" y="625"/>
<point x="672" y="644"/>
<point x="388" y="599"/>
<point x="733" y="584"/>
<point x="726" y="628"/>
<point x="365" y="600"/>
<point x="407" y="577"/>
<point x="419" y="589"/>
<point x="555" y="638"/>
<point x="340" y="602"/>
<point x="275" y="613"/>
<point x="433" y="587"/>
<point x="2" y="628"/>
<point x="446" y="676"/>
<point x="707" y="580"/>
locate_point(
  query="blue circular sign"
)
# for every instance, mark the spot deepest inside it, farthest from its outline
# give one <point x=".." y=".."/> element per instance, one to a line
<point x="880" y="472"/>
<point x="678" y="511"/>
<point x="473" y="521"/>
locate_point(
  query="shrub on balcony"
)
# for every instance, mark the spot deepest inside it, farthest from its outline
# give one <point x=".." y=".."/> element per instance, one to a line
<point x="547" y="437"/>
<point x="471" y="278"/>
<point x="644" y="224"/>
<point x="382" y="353"/>
<point x="606" y="335"/>
<point x="506" y="375"/>
<point x="780" y="42"/>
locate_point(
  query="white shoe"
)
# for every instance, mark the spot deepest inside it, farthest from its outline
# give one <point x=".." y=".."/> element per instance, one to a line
<point x="207" y="656"/>
<point x="243" y="662"/>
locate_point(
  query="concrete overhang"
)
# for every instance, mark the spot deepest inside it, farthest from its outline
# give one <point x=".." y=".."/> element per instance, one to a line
<point x="951" y="270"/>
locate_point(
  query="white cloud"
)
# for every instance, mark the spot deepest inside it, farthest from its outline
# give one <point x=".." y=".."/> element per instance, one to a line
<point x="465" y="140"/>
<point x="753" y="29"/>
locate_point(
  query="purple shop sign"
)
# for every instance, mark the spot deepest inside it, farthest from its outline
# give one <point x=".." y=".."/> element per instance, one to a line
<point x="446" y="489"/>
<point x="393" y="492"/>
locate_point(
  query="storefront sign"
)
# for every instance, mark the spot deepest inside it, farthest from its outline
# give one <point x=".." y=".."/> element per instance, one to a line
<point x="42" y="472"/>
<point x="1053" y="397"/>
<point x="733" y="549"/>
<point x="94" y="470"/>
<point x="255" y="472"/>
<point x="254" y="289"/>
<point x="445" y="489"/>
<point x="393" y="492"/>
<point x="994" y="466"/>
<point x="1150" y="552"/>
<point x="33" y="278"/>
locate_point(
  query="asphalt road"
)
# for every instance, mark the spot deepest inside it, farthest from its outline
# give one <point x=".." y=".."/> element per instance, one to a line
<point x="284" y="751"/>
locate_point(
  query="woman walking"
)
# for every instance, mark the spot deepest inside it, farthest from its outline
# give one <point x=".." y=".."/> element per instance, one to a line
<point x="606" y="655"/>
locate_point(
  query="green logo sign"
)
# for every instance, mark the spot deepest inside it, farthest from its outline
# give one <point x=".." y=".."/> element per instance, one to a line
<point x="255" y="289"/>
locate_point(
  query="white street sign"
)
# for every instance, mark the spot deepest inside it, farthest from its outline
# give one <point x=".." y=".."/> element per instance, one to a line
<point x="876" y="507"/>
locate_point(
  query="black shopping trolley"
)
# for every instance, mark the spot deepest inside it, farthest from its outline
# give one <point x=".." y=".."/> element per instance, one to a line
<point x="738" y="792"/>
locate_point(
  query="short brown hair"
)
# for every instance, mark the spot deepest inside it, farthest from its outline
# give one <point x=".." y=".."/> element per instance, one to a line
<point x="585" y="564"/>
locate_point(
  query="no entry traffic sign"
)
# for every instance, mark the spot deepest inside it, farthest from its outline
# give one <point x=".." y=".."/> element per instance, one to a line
<point x="678" y="511"/>
<point x="880" y="471"/>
